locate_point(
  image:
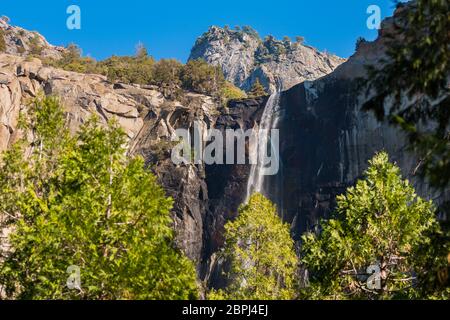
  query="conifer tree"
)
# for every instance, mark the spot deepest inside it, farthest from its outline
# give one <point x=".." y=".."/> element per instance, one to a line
<point x="261" y="252"/>
<point x="379" y="244"/>
<point x="257" y="90"/>
<point x="80" y="202"/>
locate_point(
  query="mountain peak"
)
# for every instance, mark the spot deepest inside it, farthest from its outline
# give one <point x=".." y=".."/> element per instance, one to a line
<point x="22" y="42"/>
<point x="245" y="57"/>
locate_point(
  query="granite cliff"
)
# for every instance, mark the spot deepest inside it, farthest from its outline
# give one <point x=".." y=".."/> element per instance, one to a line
<point x="148" y="118"/>
<point x="278" y="64"/>
<point x="22" y="42"/>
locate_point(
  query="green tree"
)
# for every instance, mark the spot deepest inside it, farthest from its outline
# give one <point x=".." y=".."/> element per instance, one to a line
<point x="167" y="75"/>
<point x="410" y="88"/>
<point x="200" y="77"/>
<point x="72" y="60"/>
<point x="80" y="201"/>
<point x="379" y="223"/>
<point x="286" y="40"/>
<point x="2" y="41"/>
<point x="230" y="92"/>
<point x="257" y="90"/>
<point x="137" y="69"/>
<point x="126" y="69"/>
<point x="261" y="251"/>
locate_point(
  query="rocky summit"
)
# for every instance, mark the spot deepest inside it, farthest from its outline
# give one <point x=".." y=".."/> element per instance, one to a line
<point x="22" y="42"/>
<point x="278" y="64"/>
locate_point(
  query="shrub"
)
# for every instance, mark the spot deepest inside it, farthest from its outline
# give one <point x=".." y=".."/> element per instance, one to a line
<point x="257" y="90"/>
<point x="231" y="92"/>
<point x="35" y="45"/>
<point x="200" y="77"/>
<point x="128" y="69"/>
<point x="2" y="41"/>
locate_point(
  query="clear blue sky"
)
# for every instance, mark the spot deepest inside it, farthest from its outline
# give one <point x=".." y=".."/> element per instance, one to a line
<point x="169" y="28"/>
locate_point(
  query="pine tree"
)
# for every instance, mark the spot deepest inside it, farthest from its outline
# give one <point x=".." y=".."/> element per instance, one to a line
<point x="257" y="90"/>
<point x="81" y="202"/>
<point x="261" y="251"/>
<point x="199" y="76"/>
<point x="381" y="226"/>
<point x="141" y="51"/>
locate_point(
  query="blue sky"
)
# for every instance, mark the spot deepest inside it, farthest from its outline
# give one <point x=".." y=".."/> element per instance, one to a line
<point x="169" y="28"/>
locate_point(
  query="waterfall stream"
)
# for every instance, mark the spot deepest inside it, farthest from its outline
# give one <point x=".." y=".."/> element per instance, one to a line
<point x="269" y="120"/>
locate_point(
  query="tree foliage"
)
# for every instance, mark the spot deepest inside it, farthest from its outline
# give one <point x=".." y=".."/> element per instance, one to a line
<point x="230" y="92"/>
<point x="199" y="76"/>
<point x="257" y="90"/>
<point x="2" y="41"/>
<point x="72" y="60"/>
<point x="129" y="69"/>
<point x="411" y="89"/>
<point x="261" y="251"/>
<point x="170" y="75"/>
<point x="379" y="224"/>
<point x="35" y="45"/>
<point x="167" y="75"/>
<point x="300" y="39"/>
<point x="80" y="201"/>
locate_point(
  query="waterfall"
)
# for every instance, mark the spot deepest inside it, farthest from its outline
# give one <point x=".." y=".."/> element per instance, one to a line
<point x="269" y="120"/>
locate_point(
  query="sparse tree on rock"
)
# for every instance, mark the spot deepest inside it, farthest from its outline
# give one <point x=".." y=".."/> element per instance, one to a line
<point x="257" y="90"/>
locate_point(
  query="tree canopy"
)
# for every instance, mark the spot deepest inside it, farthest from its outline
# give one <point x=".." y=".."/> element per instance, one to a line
<point x="80" y="201"/>
<point x="257" y="89"/>
<point x="380" y="226"/>
<point x="261" y="252"/>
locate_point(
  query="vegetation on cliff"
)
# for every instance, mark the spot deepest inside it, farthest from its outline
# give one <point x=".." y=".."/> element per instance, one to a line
<point x="257" y="90"/>
<point x="2" y="41"/>
<point x="169" y="74"/>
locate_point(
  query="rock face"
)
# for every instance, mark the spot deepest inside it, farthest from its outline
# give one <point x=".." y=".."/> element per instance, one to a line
<point x="325" y="143"/>
<point x="244" y="57"/>
<point x="23" y="42"/>
<point x="83" y="95"/>
<point x="148" y="119"/>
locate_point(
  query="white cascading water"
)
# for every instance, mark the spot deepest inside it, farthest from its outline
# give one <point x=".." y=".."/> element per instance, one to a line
<point x="269" y="120"/>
